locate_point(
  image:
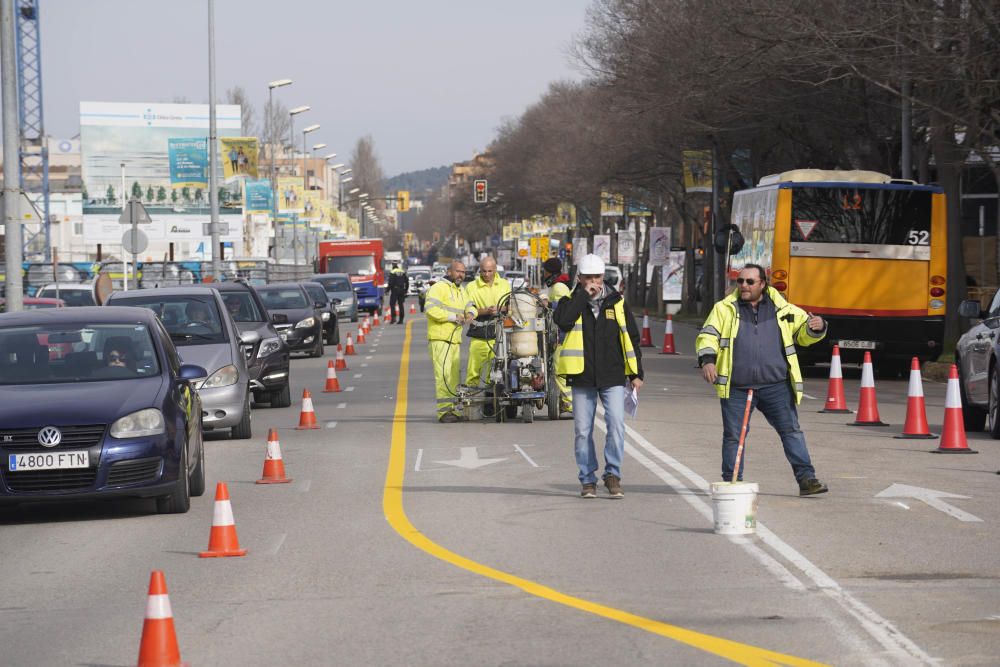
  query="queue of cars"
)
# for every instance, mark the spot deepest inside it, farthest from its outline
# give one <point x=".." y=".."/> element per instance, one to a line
<point x="113" y="400"/>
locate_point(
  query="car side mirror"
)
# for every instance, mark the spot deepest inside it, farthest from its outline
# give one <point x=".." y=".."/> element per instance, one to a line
<point x="249" y="337"/>
<point x="971" y="309"/>
<point x="191" y="372"/>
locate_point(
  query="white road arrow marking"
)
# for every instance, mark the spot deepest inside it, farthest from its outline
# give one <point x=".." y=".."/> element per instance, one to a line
<point x="469" y="459"/>
<point x="929" y="497"/>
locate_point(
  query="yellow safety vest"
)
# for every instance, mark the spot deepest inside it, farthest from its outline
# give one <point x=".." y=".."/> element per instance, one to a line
<point x="445" y="302"/>
<point x="483" y="295"/>
<point x="571" y="360"/>
<point x="723" y="325"/>
<point x="559" y="290"/>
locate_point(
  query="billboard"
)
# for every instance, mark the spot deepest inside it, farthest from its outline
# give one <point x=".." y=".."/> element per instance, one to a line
<point x="239" y="156"/>
<point x="258" y="196"/>
<point x="188" y="162"/>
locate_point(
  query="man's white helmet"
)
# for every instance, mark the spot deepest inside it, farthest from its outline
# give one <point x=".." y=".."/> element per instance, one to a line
<point x="591" y="265"/>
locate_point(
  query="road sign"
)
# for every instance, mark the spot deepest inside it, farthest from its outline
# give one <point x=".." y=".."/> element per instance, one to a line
<point x="522" y="248"/>
<point x="140" y="243"/>
<point x="134" y="213"/>
<point x="479" y="191"/>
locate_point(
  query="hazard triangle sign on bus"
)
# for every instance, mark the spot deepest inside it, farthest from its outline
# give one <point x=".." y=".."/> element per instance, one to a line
<point x="806" y="227"/>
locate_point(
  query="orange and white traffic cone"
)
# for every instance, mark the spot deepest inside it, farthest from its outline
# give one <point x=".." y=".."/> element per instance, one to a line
<point x="868" y="405"/>
<point x="668" y="337"/>
<point x="916" y="411"/>
<point x="361" y="335"/>
<point x="274" y="466"/>
<point x="349" y="350"/>
<point x="366" y="324"/>
<point x="307" y="418"/>
<point x="341" y="364"/>
<point x="375" y="322"/>
<point x="332" y="383"/>
<point x="413" y="309"/>
<point x="222" y="541"/>
<point x="646" y="339"/>
<point x="835" y="400"/>
<point x="158" y="646"/>
<point x="953" y="432"/>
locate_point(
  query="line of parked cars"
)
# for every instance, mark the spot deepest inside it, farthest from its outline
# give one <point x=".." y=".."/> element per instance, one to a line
<point x="113" y="400"/>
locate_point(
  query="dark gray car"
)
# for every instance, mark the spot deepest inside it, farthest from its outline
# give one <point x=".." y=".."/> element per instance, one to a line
<point x="295" y="317"/>
<point x="338" y="287"/>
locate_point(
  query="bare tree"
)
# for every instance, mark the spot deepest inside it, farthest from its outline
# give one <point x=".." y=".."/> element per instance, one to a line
<point x="277" y="124"/>
<point x="248" y="120"/>
<point x="367" y="171"/>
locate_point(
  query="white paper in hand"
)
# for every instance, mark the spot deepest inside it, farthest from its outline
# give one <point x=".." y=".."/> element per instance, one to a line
<point x="631" y="402"/>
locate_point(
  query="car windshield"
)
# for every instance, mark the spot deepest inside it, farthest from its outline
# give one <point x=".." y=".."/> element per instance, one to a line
<point x="242" y="307"/>
<point x="335" y="284"/>
<point x="73" y="296"/>
<point x="64" y="353"/>
<point x="420" y="275"/>
<point x="316" y="293"/>
<point x="354" y="265"/>
<point x="282" y="298"/>
<point x="190" y="319"/>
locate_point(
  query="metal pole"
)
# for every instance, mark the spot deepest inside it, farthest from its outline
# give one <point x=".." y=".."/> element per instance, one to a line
<point x="295" y="229"/>
<point x="135" y="244"/>
<point x="125" y="261"/>
<point x="270" y="140"/>
<point x="213" y="158"/>
<point x="906" y="158"/>
<point x="14" y="285"/>
<point x="718" y="262"/>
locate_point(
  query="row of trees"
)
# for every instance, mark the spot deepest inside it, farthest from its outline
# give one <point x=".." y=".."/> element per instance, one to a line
<point x="769" y="85"/>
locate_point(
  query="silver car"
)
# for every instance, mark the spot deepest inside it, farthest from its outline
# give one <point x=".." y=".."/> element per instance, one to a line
<point x="338" y="287"/>
<point x="205" y="335"/>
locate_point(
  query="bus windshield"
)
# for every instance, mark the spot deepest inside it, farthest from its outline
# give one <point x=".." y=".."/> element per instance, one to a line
<point x="354" y="265"/>
<point x="861" y="216"/>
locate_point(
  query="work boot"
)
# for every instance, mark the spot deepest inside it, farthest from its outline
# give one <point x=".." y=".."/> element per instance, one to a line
<point x="614" y="486"/>
<point x="810" y="487"/>
<point x="449" y="418"/>
<point x="589" y="491"/>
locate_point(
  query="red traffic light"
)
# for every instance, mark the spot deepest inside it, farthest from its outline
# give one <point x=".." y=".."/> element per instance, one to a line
<point x="479" y="191"/>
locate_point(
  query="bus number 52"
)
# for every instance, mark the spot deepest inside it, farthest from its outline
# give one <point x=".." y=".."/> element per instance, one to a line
<point x="918" y="237"/>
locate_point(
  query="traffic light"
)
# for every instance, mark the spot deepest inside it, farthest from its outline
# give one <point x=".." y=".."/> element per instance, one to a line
<point x="403" y="200"/>
<point x="479" y="191"/>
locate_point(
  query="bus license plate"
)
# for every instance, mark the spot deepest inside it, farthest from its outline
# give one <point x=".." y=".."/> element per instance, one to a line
<point x="858" y="344"/>
<point x="49" y="461"/>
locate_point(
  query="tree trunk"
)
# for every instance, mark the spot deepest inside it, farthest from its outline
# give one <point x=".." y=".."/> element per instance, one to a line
<point x="948" y="158"/>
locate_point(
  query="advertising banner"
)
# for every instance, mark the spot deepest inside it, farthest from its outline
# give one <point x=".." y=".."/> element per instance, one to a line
<point x="188" y="162"/>
<point x="602" y="247"/>
<point x="290" y="194"/>
<point x="626" y="247"/>
<point x="659" y="245"/>
<point x="697" y="171"/>
<point x="579" y="248"/>
<point x="612" y="204"/>
<point x="673" y="276"/>
<point x="565" y="215"/>
<point x="239" y="156"/>
<point x="258" y="196"/>
<point x="312" y="205"/>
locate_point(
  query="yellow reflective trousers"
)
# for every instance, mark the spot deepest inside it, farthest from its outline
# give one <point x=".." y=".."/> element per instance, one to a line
<point x="445" y="359"/>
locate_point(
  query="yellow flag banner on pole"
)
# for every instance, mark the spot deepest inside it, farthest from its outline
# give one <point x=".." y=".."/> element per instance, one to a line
<point x="239" y="156"/>
<point x="697" y="171"/>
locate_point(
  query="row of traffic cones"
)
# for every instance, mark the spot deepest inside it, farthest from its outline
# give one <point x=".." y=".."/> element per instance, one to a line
<point x="952" y="438"/>
<point x="646" y="337"/>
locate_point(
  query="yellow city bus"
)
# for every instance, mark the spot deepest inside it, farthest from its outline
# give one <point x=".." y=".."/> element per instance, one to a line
<point x="864" y="250"/>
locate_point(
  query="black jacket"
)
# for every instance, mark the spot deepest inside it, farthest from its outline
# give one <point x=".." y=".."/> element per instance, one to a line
<point x="398" y="282"/>
<point x="603" y="359"/>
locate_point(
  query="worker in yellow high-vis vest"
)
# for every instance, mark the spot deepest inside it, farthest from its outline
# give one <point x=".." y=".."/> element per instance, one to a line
<point x="557" y="283"/>
<point x="485" y="292"/>
<point x="447" y="308"/>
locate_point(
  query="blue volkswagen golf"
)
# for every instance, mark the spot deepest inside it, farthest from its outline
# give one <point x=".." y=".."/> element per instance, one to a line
<point x="95" y="403"/>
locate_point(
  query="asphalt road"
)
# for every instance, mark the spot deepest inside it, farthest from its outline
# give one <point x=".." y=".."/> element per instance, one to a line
<point x="402" y="541"/>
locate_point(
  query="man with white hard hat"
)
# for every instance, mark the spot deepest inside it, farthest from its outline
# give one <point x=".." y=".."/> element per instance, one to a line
<point x="601" y="360"/>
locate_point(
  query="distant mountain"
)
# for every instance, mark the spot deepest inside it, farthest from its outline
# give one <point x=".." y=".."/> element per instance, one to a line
<point x="418" y="181"/>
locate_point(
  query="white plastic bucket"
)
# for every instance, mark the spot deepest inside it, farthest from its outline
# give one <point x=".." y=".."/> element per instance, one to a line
<point x="734" y="505"/>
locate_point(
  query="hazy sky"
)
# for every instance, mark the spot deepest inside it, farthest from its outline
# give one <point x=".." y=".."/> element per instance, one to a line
<point x="430" y="80"/>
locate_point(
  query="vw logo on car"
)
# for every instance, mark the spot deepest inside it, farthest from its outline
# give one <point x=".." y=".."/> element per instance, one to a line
<point x="49" y="436"/>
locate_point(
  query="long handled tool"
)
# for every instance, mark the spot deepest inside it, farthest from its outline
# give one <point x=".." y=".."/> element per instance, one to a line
<point x="743" y="435"/>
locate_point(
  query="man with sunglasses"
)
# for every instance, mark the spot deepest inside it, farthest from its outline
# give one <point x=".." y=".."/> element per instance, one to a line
<point x="748" y="342"/>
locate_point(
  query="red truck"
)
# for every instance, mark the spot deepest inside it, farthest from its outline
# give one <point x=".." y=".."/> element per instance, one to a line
<point x="362" y="260"/>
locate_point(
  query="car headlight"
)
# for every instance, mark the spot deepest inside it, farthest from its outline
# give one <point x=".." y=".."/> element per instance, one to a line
<point x="268" y="346"/>
<point x="224" y="377"/>
<point x="349" y="301"/>
<point x="307" y="323"/>
<point x="138" y="424"/>
<point x="326" y="317"/>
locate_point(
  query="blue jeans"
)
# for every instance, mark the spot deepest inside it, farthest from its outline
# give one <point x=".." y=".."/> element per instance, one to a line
<point x="584" y="409"/>
<point x="777" y="403"/>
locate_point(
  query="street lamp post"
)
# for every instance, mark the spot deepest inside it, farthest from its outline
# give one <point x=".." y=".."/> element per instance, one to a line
<point x="292" y="113"/>
<point x="270" y="138"/>
<point x="305" y="185"/>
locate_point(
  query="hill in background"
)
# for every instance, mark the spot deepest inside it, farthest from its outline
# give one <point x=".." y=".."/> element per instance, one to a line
<point x="418" y="181"/>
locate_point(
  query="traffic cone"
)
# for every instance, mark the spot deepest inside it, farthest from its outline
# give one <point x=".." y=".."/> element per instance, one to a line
<point x="341" y="364"/>
<point x="361" y="335"/>
<point x="413" y="309"/>
<point x="668" y="337"/>
<point x="222" y="541"/>
<point x="274" y="467"/>
<point x="375" y="322"/>
<point x="332" y="383"/>
<point x="158" y="646"/>
<point x="953" y="432"/>
<point x="307" y="418"/>
<point x="835" y="400"/>
<point x="647" y="335"/>
<point x="916" y="411"/>
<point x="349" y="350"/>
<point x="366" y="325"/>
<point x="868" y="405"/>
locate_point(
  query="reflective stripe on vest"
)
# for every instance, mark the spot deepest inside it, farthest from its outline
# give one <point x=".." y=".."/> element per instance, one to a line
<point x="571" y="360"/>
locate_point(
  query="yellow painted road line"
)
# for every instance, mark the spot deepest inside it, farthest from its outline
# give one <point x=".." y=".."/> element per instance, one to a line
<point x="395" y="514"/>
